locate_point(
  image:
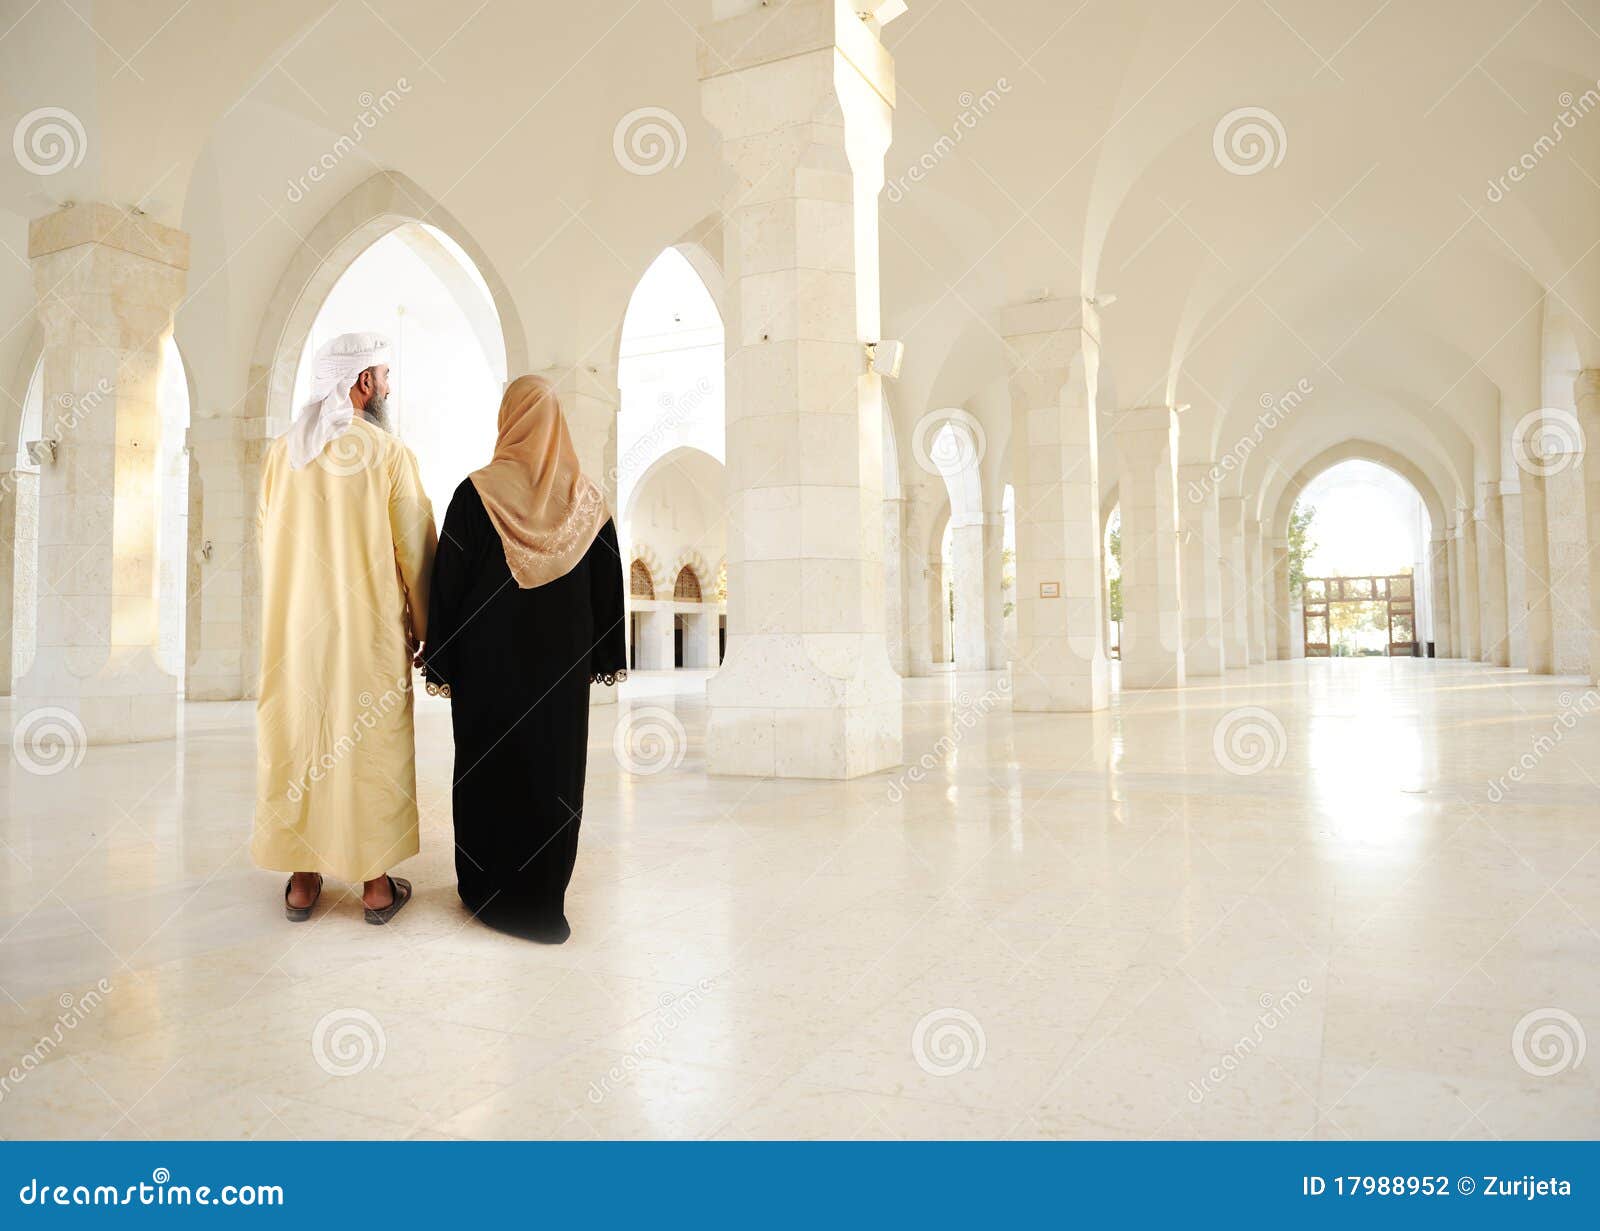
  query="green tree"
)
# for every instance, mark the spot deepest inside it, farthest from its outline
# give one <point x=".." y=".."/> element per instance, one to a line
<point x="1114" y="546"/>
<point x="1300" y="544"/>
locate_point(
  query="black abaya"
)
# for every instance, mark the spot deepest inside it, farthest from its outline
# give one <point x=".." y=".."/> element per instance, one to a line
<point x="518" y="664"/>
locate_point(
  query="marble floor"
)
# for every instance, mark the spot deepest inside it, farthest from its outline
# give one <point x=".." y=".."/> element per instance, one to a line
<point x="1309" y="900"/>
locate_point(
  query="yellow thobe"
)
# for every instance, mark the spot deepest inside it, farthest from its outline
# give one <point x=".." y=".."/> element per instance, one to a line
<point x="347" y="545"/>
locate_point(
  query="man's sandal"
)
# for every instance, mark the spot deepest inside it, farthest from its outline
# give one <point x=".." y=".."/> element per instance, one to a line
<point x="299" y="914"/>
<point x="400" y="887"/>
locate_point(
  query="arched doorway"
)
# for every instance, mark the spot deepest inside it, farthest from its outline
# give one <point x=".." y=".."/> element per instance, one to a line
<point x="676" y="528"/>
<point x="671" y="487"/>
<point x="420" y="289"/>
<point x="1358" y="556"/>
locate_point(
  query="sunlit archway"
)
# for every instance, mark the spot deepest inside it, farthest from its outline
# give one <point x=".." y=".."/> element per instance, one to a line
<point x="671" y="484"/>
<point x="419" y="288"/>
<point x="1359" y="519"/>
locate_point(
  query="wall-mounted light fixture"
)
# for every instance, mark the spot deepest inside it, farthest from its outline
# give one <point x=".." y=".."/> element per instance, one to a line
<point x="42" y="452"/>
<point x="882" y="13"/>
<point x="1100" y="301"/>
<point x="886" y="357"/>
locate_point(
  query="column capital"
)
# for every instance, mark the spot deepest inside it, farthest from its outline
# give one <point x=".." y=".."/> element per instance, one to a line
<point x="1043" y="316"/>
<point x="767" y="35"/>
<point x="95" y="222"/>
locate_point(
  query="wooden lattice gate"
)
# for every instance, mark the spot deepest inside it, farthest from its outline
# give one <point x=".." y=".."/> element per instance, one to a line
<point x="1394" y="593"/>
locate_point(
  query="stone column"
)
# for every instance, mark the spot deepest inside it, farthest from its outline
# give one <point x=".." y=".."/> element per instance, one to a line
<point x="1256" y="588"/>
<point x="896" y="616"/>
<point x="589" y="399"/>
<point x="975" y="557"/>
<point x="1278" y="613"/>
<point x="1152" y="640"/>
<point x="1439" y="574"/>
<point x="1200" y="533"/>
<point x="1053" y="356"/>
<point x="1567" y="521"/>
<point x="994" y="599"/>
<point x="1511" y="518"/>
<point x="802" y="96"/>
<point x="1494" y="648"/>
<point x="107" y="284"/>
<point x="1235" y="583"/>
<point x="224" y="646"/>
<point x="1469" y="609"/>
<point x="11" y="574"/>
<point x="1453" y="560"/>
<point x="1586" y="396"/>
<point x="1536" y="613"/>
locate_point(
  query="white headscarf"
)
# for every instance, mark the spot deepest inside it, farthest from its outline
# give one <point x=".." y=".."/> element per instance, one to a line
<point x="328" y="412"/>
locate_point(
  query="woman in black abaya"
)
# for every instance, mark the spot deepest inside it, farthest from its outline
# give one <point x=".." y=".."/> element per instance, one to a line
<point x="526" y="610"/>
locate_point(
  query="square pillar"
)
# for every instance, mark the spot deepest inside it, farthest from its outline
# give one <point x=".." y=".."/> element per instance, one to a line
<point x="107" y="284"/>
<point x="1567" y="520"/>
<point x="589" y="400"/>
<point x="1255" y="582"/>
<point x="802" y="95"/>
<point x="1536" y="613"/>
<point x="1278" y="639"/>
<point x="975" y="557"/>
<point x="896" y="612"/>
<point x="1235" y="576"/>
<point x="1511" y="517"/>
<point x="1586" y="397"/>
<point x="1439" y="574"/>
<point x="1200" y="534"/>
<point x="1469" y="609"/>
<point x="1152" y="637"/>
<point x="1495" y="648"/>
<point x="222" y="650"/>
<point x="1060" y="661"/>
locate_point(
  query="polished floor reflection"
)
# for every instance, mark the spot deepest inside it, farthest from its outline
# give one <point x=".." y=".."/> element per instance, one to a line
<point x="1325" y="899"/>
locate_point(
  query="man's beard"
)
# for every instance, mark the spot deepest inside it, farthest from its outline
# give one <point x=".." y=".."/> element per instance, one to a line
<point x="377" y="410"/>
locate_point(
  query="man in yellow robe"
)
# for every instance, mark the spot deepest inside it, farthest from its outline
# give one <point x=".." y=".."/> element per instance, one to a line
<point x="347" y="543"/>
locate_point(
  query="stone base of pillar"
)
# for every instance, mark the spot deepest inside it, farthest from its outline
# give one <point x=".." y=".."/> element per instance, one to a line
<point x="1137" y="674"/>
<point x="1038" y="686"/>
<point x="215" y="675"/>
<point x="774" y="712"/>
<point x="1202" y="658"/>
<point x="129" y="699"/>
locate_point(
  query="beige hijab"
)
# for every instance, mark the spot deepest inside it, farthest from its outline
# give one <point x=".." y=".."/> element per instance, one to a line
<point x="546" y="510"/>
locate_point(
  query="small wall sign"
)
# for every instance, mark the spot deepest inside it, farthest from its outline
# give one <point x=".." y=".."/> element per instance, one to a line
<point x="1049" y="589"/>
